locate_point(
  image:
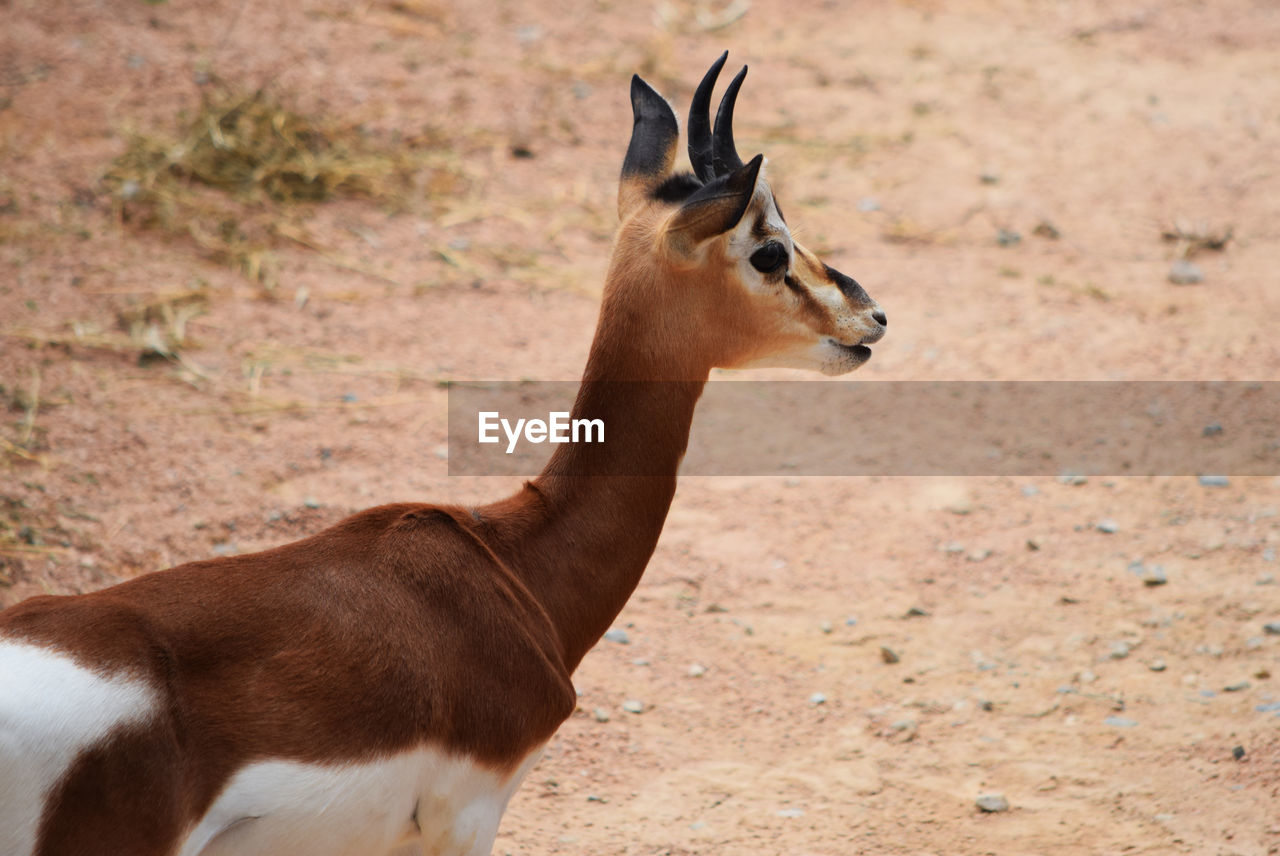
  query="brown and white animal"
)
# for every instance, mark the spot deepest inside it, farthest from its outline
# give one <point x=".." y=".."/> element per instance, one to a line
<point x="388" y="682"/>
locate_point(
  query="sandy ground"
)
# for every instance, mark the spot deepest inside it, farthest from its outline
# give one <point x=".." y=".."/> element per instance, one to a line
<point x="1032" y="672"/>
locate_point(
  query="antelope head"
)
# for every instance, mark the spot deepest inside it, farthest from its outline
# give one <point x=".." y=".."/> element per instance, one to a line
<point x="721" y="252"/>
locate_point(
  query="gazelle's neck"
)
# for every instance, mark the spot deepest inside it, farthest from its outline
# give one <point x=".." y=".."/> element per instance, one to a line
<point x="603" y="505"/>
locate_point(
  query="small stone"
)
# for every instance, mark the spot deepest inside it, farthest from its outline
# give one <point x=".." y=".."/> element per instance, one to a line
<point x="1184" y="272"/>
<point x="850" y="621"/>
<point x="1086" y="677"/>
<point x="1237" y="752"/>
<point x="1214" y="481"/>
<point x="1153" y="576"/>
<point x="1030" y="490"/>
<point x="1073" y="479"/>
<point x="225" y="548"/>
<point x="989" y="175"/>
<point x="311" y="502"/>
<point x="953" y="547"/>
<point x="904" y="725"/>
<point x="915" y="612"/>
<point x="867" y="204"/>
<point x="1120" y="722"/>
<point x="978" y="555"/>
<point x="1107" y="526"/>
<point x="1238" y="686"/>
<point x="594" y="798"/>
<point x="600" y="714"/>
<point x="1213" y="429"/>
<point x="1120" y="650"/>
<point x="817" y="699"/>
<point x="1271" y="628"/>
<point x="827" y="627"/>
<point x="1157" y="665"/>
<point x="1045" y="229"/>
<point x="632" y="705"/>
<point x="617" y="635"/>
<point x="992" y="803"/>
<point x="791" y="812"/>
<point x="888" y="655"/>
<point x="697" y="670"/>
<point x="1008" y="238"/>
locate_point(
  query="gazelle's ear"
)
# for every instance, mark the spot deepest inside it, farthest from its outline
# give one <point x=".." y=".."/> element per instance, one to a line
<point x="713" y="209"/>
<point x="652" y="152"/>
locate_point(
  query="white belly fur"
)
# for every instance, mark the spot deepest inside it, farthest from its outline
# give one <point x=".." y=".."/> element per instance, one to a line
<point x="284" y="808"/>
<point x="52" y="709"/>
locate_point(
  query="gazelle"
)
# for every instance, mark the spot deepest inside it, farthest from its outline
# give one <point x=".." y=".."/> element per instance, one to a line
<point x="388" y="682"/>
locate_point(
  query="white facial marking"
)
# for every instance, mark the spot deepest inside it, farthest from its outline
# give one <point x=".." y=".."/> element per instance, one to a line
<point x="285" y="808"/>
<point x="51" y="710"/>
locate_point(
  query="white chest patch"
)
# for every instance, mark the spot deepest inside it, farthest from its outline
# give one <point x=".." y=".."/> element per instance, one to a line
<point x="440" y="804"/>
<point x="51" y="709"/>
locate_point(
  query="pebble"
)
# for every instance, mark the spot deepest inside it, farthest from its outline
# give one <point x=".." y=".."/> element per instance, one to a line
<point x="225" y="548"/>
<point x="791" y="812"/>
<point x="311" y="502"/>
<point x="1157" y="665"/>
<point x="1271" y="628"/>
<point x="1238" y="686"/>
<point x="992" y="803"/>
<point x="1183" y="272"/>
<point x="978" y="555"/>
<point x="600" y="714"/>
<point x="1214" y="481"/>
<point x="617" y="635"/>
<point x="1213" y="429"/>
<point x="1008" y="238"/>
<point x="1120" y="650"/>
<point x="1120" y="722"/>
<point x="1073" y="479"/>
<point x="867" y="204"/>
<point x="1030" y="490"/>
<point x="1237" y="752"/>
<point x="990" y="175"/>
<point x="1107" y="526"/>
<point x="817" y="699"/>
<point x="1153" y="575"/>
<point x="697" y="670"/>
<point x="827" y="627"/>
<point x="916" y="612"/>
<point x="888" y="655"/>
<point x="632" y="705"/>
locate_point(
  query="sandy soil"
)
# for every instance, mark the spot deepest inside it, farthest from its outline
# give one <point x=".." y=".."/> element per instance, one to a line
<point x="1032" y="672"/>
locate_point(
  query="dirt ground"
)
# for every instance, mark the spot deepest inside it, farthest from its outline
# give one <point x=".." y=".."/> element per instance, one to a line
<point x="906" y="139"/>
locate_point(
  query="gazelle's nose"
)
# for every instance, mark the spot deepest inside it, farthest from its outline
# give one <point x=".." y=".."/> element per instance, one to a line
<point x="880" y="317"/>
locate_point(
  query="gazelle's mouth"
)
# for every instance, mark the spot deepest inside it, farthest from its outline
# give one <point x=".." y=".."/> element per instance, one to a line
<point x="859" y="352"/>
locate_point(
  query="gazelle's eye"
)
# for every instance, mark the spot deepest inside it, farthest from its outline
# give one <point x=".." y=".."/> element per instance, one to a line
<point x="769" y="258"/>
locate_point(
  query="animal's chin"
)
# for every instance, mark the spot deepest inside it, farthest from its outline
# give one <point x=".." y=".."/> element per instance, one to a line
<point x="844" y="358"/>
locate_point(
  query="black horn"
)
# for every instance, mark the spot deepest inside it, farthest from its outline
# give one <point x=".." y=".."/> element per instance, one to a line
<point x="700" y="151"/>
<point x="724" y="153"/>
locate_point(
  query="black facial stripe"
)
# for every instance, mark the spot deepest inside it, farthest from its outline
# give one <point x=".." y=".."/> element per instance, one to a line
<point x="847" y="285"/>
<point x="810" y="303"/>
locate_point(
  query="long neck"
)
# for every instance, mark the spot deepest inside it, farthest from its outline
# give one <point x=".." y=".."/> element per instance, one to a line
<point x="600" y="507"/>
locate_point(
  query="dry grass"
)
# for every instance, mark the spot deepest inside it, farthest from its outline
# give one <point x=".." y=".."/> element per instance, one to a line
<point x="239" y="176"/>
